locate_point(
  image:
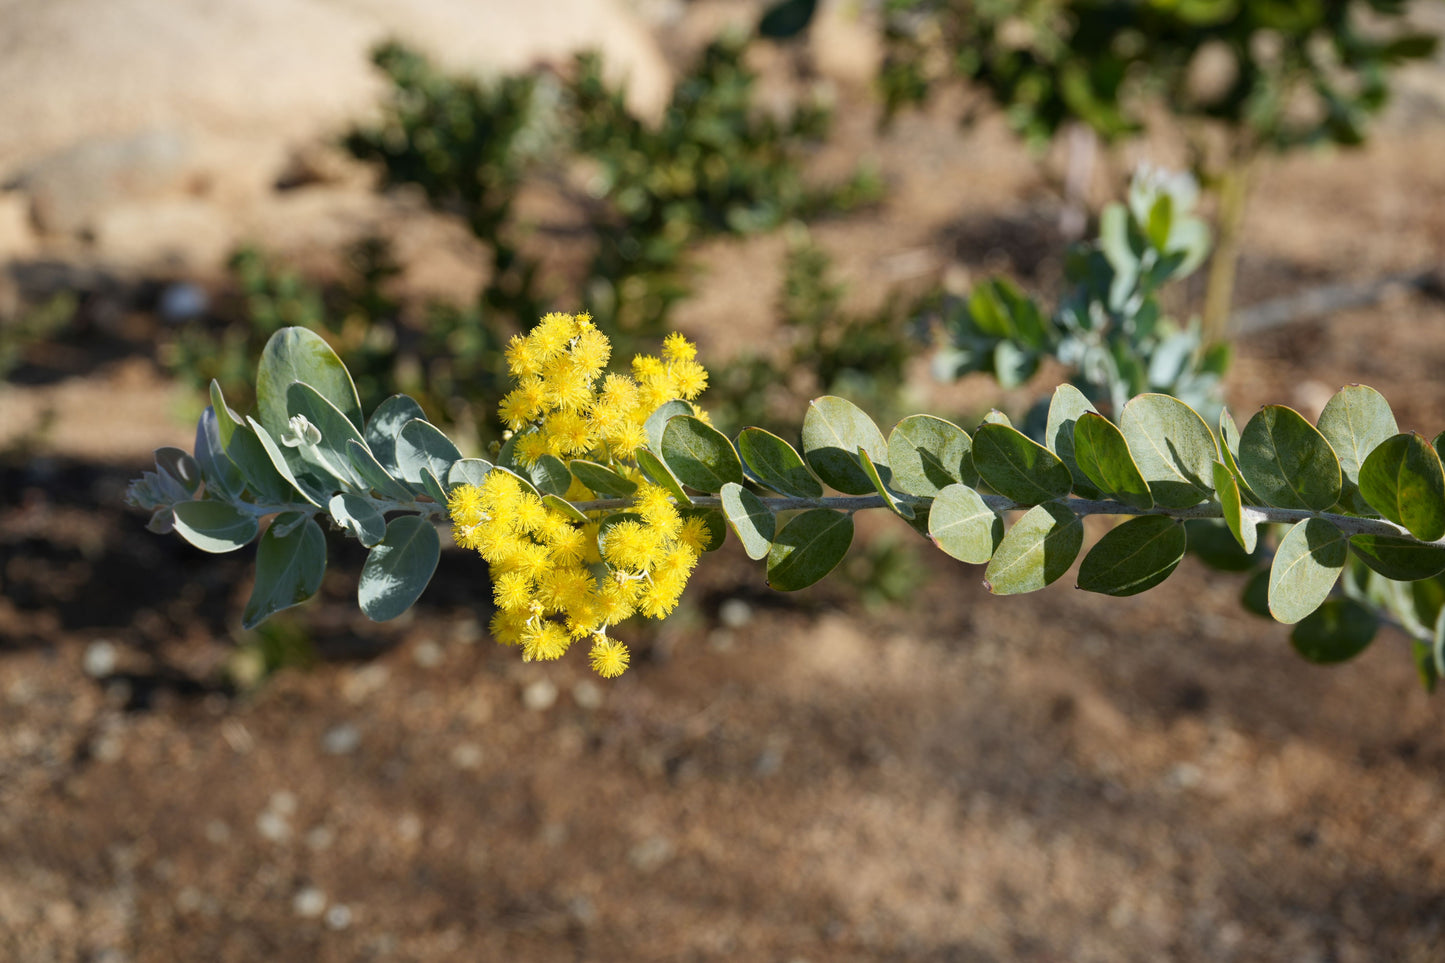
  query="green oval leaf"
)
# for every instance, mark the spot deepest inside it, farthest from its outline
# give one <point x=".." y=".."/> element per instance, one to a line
<point x="290" y="563"/>
<point x="254" y="462"/>
<point x="1355" y="422"/>
<point x="1403" y="481"/>
<point x="1017" y="467"/>
<point x="421" y="445"/>
<point x="902" y="509"/>
<point x="809" y="546"/>
<point x="1065" y="407"/>
<point x="1134" y="556"/>
<point x="357" y="516"/>
<point x="385" y="426"/>
<point x="927" y="454"/>
<point x="1307" y="563"/>
<point x="1228" y="453"/>
<point x="468" y="471"/>
<point x="1036" y="551"/>
<point x="1103" y="456"/>
<point x="656" y="469"/>
<point x="750" y="518"/>
<point x="1245" y="532"/>
<point x="1337" y="631"/>
<point x="375" y="477"/>
<point x="296" y="354"/>
<point x="775" y="464"/>
<point x="963" y="526"/>
<point x="550" y="475"/>
<point x="1401" y="559"/>
<point x="566" y="508"/>
<point x="699" y="455"/>
<point x="214" y="526"/>
<point x="833" y="430"/>
<point x="601" y="479"/>
<point x="398" y="569"/>
<point x="223" y="476"/>
<point x="1173" y="448"/>
<point x="1287" y="462"/>
<point x="657" y="421"/>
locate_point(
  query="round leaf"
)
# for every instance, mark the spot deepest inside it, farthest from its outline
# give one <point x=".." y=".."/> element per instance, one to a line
<point x="1355" y="422"/>
<point x="1287" y="462"/>
<point x="421" y="445"/>
<point x="296" y="354"/>
<point x="751" y="519"/>
<point x="398" y="569"/>
<point x="1134" y="556"/>
<point x="810" y="546"/>
<point x="1403" y="481"/>
<point x="699" y="454"/>
<point x="1038" y="550"/>
<point x="1307" y="563"/>
<point x="1065" y="407"/>
<point x="1103" y="457"/>
<point x="601" y="479"/>
<point x="775" y="464"/>
<point x="1401" y="559"/>
<point x="385" y="425"/>
<point x="214" y="526"/>
<point x="927" y="454"/>
<point x="290" y="562"/>
<point x="963" y="526"/>
<point x="833" y="430"/>
<point x="357" y="516"/>
<point x="1173" y="448"/>
<point x="1337" y="631"/>
<point x="1017" y="467"/>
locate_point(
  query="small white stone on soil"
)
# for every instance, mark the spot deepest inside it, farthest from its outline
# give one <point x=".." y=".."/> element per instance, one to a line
<point x="364" y="681"/>
<point x="320" y="838"/>
<point x="587" y="694"/>
<point x="282" y="802"/>
<point x="540" y="695"/>
<point x="467" y="755"/>
<point x="309" y="903"/>
<point x="99" y="660"/>
<point x="428" y="654"/>
<point x="408" y="827"/>
<point x="649" y="854"/>
<point x="273" y="826"/>
<point x="341" y="740"/>
<point x="338" y="917"/>
<point x="734" y="613"/>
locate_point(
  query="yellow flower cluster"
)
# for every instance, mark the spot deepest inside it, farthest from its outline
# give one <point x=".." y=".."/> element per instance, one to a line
<point x="559" y="408"/>
<point x="557" y="580"/>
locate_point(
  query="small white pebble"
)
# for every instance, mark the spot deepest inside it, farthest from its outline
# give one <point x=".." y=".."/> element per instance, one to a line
<point x="428" y="654"/>
<point x="273" y="827"/>
<point x="282" y="802"/>
<point x="320" y="838"/>
<point x="735" y="613"/>
<point x="338" y="917"/>
<point x="99" y="660"/>
<point x="341" y="740"/>
<point x="309" y="903"/>
<point x="467" y="755"/>
<point x="408" y="827"/>
<point x="540" y="695"/>
<point x="587" y="694"/>
<point x="649" y="854"/>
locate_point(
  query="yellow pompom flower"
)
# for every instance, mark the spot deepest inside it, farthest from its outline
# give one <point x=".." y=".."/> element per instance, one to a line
<point x="552" y="581"/>
<point x="609" y="657"/>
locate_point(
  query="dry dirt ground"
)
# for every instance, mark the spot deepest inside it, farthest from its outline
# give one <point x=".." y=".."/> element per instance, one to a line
<point x="967" y="779"/>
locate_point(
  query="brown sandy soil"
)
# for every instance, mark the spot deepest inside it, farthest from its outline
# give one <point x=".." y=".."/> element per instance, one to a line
<point x="1059" y="777"/>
